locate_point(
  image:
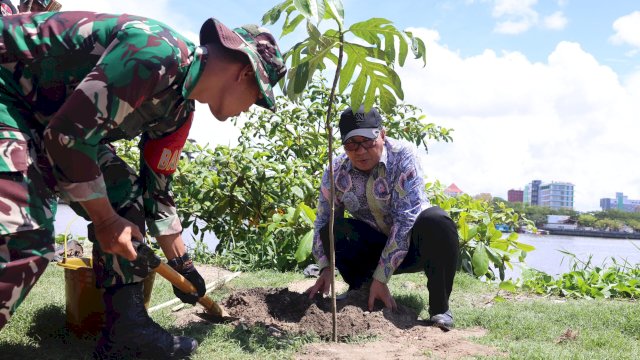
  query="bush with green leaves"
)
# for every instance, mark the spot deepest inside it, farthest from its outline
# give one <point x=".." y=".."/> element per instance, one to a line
<point x="483" y="249"/>
<point x="259" y="197"/>
<point x="620" y="279"/>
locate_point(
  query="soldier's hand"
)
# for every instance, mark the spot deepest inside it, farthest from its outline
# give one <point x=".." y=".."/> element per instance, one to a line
<point x="115" y="234"/>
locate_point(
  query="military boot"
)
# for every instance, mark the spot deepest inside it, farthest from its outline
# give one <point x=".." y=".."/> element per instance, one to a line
<point x="129" y="332"/>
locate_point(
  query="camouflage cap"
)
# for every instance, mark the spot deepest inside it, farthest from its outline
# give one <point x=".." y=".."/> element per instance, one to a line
<point x="45" y="5"/>
<point x="261" y="48"/>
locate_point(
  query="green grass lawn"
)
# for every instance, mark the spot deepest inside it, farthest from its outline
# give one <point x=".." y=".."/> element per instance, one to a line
<point x="522" y="327"/>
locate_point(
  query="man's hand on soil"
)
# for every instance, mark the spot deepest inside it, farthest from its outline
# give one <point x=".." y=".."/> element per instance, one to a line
<point x="381" y="292"/>
<point x="322" y="285"/>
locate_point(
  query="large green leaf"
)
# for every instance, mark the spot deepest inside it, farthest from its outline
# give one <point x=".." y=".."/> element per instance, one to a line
<point x="336" y="11"/>
<point x="312" y="9"/>
<point x="304" y="247"/>
<point x="480" y="260"/>
<point x="289" y="27"/>
<point x="373" y="76"/>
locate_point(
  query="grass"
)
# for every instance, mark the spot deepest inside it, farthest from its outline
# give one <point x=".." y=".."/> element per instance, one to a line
<point x="522" y="327"/>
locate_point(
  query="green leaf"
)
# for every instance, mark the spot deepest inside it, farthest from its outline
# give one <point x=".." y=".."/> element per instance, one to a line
<point x="336" y="11"/>
<point x="480" y="260"/>
<point x="313" y="31"/>
<point x="297" y="191"/>
<point x="404" y="49"/>
<point x="304" y="247"/>
<point x="301" y="77"/>
<point x="309" y="212"/>
<point x="290" y="27"/>
<point x="417" y="47"/>
<point x="272" y="15"/>
<point x="524" y="247"/>
<point x="312" y="9"/>
<point x="346" y="74"/>
<point x="508" y="286"/>
<point x="371" y="29"/>
<point x="357" y="91"/>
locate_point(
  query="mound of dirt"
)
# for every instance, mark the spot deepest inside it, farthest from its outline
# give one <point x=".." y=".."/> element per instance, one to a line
<point x="294" y="312"/>
<point x="401" y="334"/>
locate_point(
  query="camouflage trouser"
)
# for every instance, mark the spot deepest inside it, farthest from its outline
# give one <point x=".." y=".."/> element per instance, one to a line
<point x="27" y="210"/>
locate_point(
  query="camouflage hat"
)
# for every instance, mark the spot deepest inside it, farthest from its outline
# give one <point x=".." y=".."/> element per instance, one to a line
<point x="261" y="48"/>
<point x="45" y="5"/>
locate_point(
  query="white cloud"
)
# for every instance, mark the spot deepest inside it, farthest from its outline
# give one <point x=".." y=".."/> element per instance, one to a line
<point x="627" y="30"/>
<point x="567" y="119"/>
<point x="519" y="15"/>
<point x="555" y="21"/>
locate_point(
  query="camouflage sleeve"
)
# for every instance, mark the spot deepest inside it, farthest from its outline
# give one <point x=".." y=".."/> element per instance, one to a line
<point x="159" y="160"/>
<point x="129" y="71"/>
<point x="159" y="207"/>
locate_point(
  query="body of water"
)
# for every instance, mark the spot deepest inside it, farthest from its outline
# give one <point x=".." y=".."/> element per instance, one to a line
<point x="547" y="256"/>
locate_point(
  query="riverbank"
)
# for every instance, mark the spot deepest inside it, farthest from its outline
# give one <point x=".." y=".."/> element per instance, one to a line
<point x="594" y="233"/>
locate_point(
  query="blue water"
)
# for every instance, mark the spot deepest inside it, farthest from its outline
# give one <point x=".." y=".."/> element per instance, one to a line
<point x="546" y="257"/>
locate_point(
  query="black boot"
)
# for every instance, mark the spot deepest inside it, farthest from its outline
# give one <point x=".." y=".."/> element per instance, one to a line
<point x="129" y="332"/>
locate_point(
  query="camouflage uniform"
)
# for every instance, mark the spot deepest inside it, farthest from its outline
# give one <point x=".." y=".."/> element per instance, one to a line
<point x="71" y="83"/>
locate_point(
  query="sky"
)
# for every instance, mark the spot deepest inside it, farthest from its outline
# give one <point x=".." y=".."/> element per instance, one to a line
<point x="534" y="89"/>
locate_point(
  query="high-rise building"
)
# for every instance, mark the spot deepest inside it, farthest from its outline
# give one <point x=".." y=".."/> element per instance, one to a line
<point x="515" y="195"/>
<point x="531" y="193"/>
<point x="556" y="195"/>
<point x="621" y="203"/>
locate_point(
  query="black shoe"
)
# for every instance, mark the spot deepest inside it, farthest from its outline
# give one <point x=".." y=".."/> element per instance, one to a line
<point x="444" y="320"/>
<point x="129" y="332"/>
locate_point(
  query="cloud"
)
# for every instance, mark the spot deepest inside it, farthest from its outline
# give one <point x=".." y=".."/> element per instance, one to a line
<point x="519" y="15"/>
<point x="555" y="21"/>
<point x="569" y="118"/>
<point x="627" y="30"/>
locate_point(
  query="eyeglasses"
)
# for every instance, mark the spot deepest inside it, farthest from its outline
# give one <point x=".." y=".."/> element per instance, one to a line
<point x="354" y="145"/>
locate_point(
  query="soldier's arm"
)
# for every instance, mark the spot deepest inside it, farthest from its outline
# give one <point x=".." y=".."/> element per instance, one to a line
<point x="127" y="74"/>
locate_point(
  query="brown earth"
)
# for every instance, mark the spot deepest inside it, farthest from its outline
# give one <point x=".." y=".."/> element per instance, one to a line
<point x="398" y="334"/>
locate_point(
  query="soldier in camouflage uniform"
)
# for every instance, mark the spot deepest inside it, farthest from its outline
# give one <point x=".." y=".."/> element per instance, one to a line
<point x="71" y="83"/>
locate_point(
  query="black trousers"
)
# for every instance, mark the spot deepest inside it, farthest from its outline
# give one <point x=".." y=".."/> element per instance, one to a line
<point x="434" y="249"/>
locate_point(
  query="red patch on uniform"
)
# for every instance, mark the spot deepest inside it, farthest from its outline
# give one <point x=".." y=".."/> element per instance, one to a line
<point x="162" y="155"/>
<point x="6" y="9"/>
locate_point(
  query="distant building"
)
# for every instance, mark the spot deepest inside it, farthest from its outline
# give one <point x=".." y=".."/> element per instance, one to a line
<point x="531" y="193"/>
<point x="453" y="190"/>
<point x="560" y="222"/>
<point x="621" y="203"/>
<point x="554" y="195"/>
<point x="515" y="196"/>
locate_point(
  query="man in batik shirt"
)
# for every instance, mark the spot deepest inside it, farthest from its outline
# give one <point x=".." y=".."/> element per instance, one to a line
<point x="392" y="228"/>
<point x="73" y="82"/>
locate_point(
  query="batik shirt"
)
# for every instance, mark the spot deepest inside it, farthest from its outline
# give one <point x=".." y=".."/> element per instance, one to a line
<point x="87" y="79"/>
<point x="388" y="198"/>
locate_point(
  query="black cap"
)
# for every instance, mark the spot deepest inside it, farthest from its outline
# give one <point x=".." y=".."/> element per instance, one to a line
<point x="360" y="123"/>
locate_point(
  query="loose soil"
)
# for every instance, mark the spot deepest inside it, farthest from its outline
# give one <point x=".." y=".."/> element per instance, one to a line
<point x="398" y="334"/>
